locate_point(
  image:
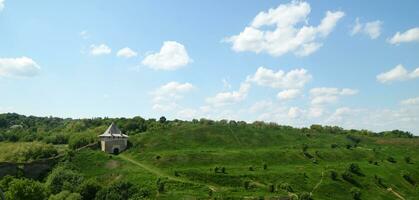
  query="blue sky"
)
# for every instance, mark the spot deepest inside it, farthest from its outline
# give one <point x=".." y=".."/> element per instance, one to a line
<point x="346" y="63"/>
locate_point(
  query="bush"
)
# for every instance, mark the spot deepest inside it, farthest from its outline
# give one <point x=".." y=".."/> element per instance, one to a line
<point x="356" y="193"/>
<point x="247" y="185"/>
<point x="334" y="175"/>
<point x="62" y="178"/>
<point x="80" y="140"/>
<point x="26" y="189"/>
<point x="391" y="159"/>
<point x="408" y="178"/>
<point x="265" y="166"/>
<point x="354" y="168"/>
<point x="287" y="187"/>
<point x="119" y="191"/>
<point x="334" y="146"/>
<point x="347" y="176"/>
<point x="65" y="195"/>
<point x="305" y="196"/>
<point x="271" y="188"/>
<point x="379" y="181"/>
<point x="88" y="189"/>
<point x="408" y="160"/>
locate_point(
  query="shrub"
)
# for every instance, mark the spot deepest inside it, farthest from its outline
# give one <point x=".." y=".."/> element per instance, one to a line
<point x="347" y="176"/>
<point x="354" y="168"/>
<point x="26" y="189"/>
<point x="118" y="191"/>
<point x="408" y="178"/>
<point x="287" y="187"/>
<point x="305" y="196"/>
<point x="88" y="189"/>
<point x="265" y="166"/>
<point x="334" y="175"/>
<point x="334" y="146"/>
<point x="379" y="181"/>
<point x="247" y="185"/>
<point x="356" y="193"/>
<point x="62" y="178"/>
<point x="391" y="159"/>
<point x="223" y="170"/>
<point x="80" y="140"/>
<point x="251" y="168"/>
<point x="65" y="195"/>
<point x="271" y="188"/>
<point x="408" y="160"/>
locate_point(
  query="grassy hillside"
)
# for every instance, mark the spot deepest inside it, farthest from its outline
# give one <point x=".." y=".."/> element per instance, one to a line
<point x="216" y="160"/>
<point x="266" y="161"/>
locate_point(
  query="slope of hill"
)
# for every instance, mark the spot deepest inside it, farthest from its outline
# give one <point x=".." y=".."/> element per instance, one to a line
<point x="226" y="160"/>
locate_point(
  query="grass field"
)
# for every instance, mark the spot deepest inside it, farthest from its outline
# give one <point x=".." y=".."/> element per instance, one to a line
<point x="241" y="162"/>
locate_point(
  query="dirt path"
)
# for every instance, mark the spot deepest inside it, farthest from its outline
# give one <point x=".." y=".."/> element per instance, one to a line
<point x="159" y="173"/>
<point x="317" y="185"/>
<point x="395" y="193"/>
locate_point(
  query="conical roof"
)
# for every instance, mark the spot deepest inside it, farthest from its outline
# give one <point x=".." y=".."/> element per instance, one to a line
<point x="113" y="131"/>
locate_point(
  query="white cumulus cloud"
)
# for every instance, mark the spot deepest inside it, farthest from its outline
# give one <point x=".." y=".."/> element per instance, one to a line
<point x="410" y="101"/>
<point x="226" y="98"/>
<point x="296" y="78"/>
<point x="398" y="73"/>
<point x="411" y="35"/>
<point x="18" y="67"/>
<point x="1" y="5"/>
<point x="166" y="96"/>
<point x="285" y="29"/>
<point x="98" y="50"/>
<point x="171" y="56"/>
<point x="325" y="95"/>
<point x="126" y="53"/>
<point x="288" y="94"/>
<point x="372" y="29"/>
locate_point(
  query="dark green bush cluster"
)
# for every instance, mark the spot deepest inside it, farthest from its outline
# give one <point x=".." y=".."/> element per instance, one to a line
<point x="354" y="168"/>
<point x="391" y="159"/>
<point x="408" y="177"/>
<point x="287" y="187"/>
<point x="356" y="193"/>
<point x="334" y="175"/>
<point x="347" y="176"/>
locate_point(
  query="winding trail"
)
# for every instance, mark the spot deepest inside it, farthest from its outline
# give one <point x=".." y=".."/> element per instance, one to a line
<point x="159" y="173"/>
<point x="317" y="185"/>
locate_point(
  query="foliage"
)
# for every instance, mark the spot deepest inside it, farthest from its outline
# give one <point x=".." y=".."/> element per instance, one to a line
<point x="25" y="189"/>
<point x="89" y="188"/>
<point x="66" y="195"/>
<point x="62" y="178"/>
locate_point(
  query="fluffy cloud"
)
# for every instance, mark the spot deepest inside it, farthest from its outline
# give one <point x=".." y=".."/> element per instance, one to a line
<point x="372" y="29"/>
<point x="226" y="98"/>
<point x="172" y="56"/>
<point x="279" y="31"/>
<point x="288" y="94"/>
<point x="398" y="73"/>
<point x="296" y="78"/>
<point x="411" y="101"/>
<point x="411" y="35"/>
<point x="325" y="95"/>
<point x="1" y="5"/>
<point x="18" y="67"/>
<point x="294" y="112"/>
<point x="98" y="50"/>
<point x="166" y="96"/>
<point x="126" y="53"/>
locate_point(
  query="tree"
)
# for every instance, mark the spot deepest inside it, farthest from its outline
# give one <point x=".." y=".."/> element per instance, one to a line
<point x="26" y="189"/>
<point x="356" y="193"/>
<point x="88" y="189"/>
<point x="65" y="195"/>
<point x="118" y="191"/>
<point x="162" y="119"/>
<point x="62" y="178"/>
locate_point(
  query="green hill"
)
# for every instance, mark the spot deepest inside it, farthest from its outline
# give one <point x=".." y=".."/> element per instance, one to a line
<point x="205" y="159"/>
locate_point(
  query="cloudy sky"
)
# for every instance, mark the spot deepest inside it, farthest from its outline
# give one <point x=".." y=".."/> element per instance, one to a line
<point x="348" y="63"/>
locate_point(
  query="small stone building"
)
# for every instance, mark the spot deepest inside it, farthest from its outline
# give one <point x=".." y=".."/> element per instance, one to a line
<point x="113" y="140"/>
